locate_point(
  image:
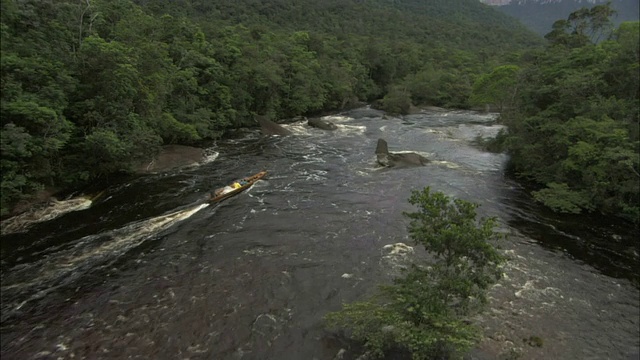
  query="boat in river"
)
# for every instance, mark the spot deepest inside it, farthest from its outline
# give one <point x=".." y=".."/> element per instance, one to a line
<point x="235" y="187"/>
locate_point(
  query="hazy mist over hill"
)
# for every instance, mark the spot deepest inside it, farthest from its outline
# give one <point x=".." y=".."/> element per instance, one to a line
<point x="539" y="15"/>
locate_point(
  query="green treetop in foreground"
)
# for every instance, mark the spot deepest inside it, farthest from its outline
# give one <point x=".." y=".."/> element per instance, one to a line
<point x="425" y="312"/>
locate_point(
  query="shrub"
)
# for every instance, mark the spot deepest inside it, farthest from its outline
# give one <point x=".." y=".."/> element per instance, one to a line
<point x="425" y="312"/>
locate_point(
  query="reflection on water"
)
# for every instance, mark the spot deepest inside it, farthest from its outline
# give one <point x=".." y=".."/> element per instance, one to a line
<point x="148" y="273"/>
<point x="606" y="243"/>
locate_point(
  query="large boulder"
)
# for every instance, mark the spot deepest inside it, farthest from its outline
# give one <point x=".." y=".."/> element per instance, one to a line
<point x="322" y="124"/>
<point x="270" y="128"/>
<point x="385" y="158"/>
<point x="172" y="157"/>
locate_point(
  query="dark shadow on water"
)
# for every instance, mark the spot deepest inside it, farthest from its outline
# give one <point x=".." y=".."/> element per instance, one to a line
<point x="607" y="243"/>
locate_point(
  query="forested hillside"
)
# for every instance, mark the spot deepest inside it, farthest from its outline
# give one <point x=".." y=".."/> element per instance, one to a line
<point x="572" y="111"/>
<point x="90" y="88"/>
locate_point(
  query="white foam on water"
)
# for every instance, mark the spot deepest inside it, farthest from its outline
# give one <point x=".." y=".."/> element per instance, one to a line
<point x="421" y="153"/>
<point x="396" y="257"/>
<point x="210" y="156"/>
<point x="470" y="132"/>
<point x="400" y="249"/>
<point x="56" y="268"/>
<point x="337" y="118"/>
<point x="298" y="128"/>
<point x="538" y="296"/>
<point x="447" y="164"/>
<point x="54" y="210"/>
<point x="351" y="129"/>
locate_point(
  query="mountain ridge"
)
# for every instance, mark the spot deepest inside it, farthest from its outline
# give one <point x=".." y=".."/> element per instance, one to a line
<point x="520" y="2"/>
<point x="539" y="15"/>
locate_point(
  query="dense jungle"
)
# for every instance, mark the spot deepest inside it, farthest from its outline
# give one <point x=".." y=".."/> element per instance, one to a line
<point x="118" y="79"/>
<point x="529" y="138"/>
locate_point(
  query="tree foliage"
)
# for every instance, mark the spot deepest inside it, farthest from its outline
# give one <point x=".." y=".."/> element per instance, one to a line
<point x="574" y="127"/>
<point x="425" y="311"/>
<point x="93" y="87"/>
<point x="397" y="101"/>
<point x="583" y="26"/>
<point x="498" y="88"/>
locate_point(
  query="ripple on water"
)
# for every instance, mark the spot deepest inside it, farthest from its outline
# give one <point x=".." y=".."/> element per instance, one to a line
<point x="253" y="277"/>
<point x="570" y="315"/>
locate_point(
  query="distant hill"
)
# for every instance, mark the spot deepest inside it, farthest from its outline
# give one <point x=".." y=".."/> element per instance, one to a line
<point x="539" y="15"/>
<point x="460" y="24"/>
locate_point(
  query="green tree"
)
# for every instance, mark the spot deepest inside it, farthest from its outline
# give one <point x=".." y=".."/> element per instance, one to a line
<point x="498" y="88"/>
<point x="34" y="127"/>
<point x="583" y="26"/>
<point x="425" y="312"/>
<point x="16" y="178"/>
<point x="599" y="170"/>
<point x="115" y="79"/>
<point x="303" y="90"/>
<point x="397" y="101"/>
<point x="575" y="128"/>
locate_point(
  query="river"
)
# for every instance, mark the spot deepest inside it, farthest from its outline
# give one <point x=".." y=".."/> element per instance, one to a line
<point x="149" y="271"/>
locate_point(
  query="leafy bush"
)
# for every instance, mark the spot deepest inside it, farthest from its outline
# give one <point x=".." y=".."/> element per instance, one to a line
<point x="397" y="101"/>
<point x="425" y="311"/>
<point x="560" y="198"/>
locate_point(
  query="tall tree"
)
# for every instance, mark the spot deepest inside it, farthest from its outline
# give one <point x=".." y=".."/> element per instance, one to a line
<point x="498" y="88"/>
<point x="575" y="129"/>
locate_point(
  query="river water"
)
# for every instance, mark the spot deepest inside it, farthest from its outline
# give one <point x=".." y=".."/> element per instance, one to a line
<point x="149" y="271"/>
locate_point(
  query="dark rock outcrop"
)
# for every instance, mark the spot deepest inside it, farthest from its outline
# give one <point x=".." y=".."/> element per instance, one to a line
<point x="172" y="157"/>
<point x="322" y="124"/>
<point x="270" y="128"/>
<point x="385" y="158"/>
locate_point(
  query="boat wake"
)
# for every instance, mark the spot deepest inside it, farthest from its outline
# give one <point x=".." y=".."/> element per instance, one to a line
<point x="89" y="253"/>
<point x="54" y="209"/>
